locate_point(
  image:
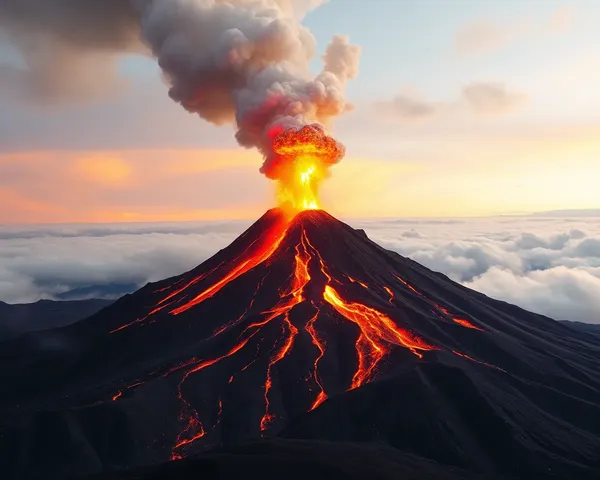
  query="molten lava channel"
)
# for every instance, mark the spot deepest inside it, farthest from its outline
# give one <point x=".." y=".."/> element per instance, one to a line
<point x="378" y="334"/>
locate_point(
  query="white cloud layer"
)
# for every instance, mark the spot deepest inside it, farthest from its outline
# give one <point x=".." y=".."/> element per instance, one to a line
<point x="544" y="264"/>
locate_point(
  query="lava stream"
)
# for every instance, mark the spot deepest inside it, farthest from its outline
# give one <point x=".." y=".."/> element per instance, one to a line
<point x="353" y="280"/>
<point x="460" y="321"/>
<point x="301" y="279"/>
<point x="390" y="293"/>
<point x="268" y="417"/>
<point x="320" y="344"/>
<point x="194" y="425"/>
<point x="377" y="329"/>
<point x="477" y="361"/>
<point x="274" y="238"/>
<point x="444" y="311"/>
<point x="242" y="264"/>
<point x="235" y="322"/>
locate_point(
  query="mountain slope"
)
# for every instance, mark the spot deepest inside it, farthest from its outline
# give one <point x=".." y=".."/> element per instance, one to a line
<point x="306" y="329"/>
<point x="19" y="319"/>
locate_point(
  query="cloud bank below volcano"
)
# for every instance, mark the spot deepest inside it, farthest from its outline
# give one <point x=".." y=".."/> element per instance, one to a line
<point x="548" y="265"/>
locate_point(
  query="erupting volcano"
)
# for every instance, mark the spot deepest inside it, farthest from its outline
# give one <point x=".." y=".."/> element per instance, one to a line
<point x="308" y="296"/>
<point x="303" y="335"/>
<point x="305" y="328"/>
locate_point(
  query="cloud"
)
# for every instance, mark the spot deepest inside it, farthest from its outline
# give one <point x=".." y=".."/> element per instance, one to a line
<point x="66" y="78"/>
<point x="482" y="36"/>
<point x="558" y="292"/>
<point x="45" y="261"/>
<point x="479" y="98"/>
<point x="492" y="98"/>
<point x="407" y="106"/>
<point x="562" y="20"/>
<point x="549" y="266"/>
<point x="67" y="50"/>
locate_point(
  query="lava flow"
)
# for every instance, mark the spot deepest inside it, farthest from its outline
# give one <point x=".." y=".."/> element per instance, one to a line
<point x="439" y="310"/>
<point x="293" y="258"/>
<point x="377" y="332"/>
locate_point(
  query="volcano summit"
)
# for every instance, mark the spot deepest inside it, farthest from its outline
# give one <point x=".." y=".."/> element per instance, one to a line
<point x="303" y="328"/>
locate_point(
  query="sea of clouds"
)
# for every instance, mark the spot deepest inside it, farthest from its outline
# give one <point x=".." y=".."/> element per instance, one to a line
<point x="549" y="265"/>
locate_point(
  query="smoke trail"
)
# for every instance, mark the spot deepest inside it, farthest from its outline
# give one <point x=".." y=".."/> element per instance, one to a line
<point x="241" y="62"/>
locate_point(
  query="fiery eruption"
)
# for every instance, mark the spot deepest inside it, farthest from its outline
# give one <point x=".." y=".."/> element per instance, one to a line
<point x="301" y="161"/>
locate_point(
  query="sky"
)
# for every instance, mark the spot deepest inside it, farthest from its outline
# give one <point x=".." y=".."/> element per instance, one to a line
<point x="463" y="108"/>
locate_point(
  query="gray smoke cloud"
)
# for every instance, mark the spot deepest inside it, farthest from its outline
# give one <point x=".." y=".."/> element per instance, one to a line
<point x="241" y="62"/>
<point x="67" y="48"/>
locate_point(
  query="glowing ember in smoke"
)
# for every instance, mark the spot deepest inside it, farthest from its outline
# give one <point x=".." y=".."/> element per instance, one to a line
<point x="302" y="159"/>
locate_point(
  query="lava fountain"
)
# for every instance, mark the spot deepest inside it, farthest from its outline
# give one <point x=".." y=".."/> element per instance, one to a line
<point x="302" y="159"/>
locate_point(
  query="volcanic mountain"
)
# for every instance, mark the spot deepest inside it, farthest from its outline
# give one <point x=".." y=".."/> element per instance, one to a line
<point x="304" y="329"/>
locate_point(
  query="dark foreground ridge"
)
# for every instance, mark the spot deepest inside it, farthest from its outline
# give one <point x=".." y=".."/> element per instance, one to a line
<point x="304" y="330"/>
<point x="16" y="320"/>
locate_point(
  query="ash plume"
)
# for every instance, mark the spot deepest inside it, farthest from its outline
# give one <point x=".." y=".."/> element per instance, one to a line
<point x="241" y="62"/>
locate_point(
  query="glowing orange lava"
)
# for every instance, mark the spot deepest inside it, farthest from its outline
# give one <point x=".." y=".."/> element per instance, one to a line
<point x="194" y="429"/>
<point x="263" y="253"/>
<point x="460" y="321"/>
<point x="390" y="293"/>
<point x="303" y="157"/>
<point x="377" y="332"/>
<point x="462" y="355"/>
<point x="320" y="344"/>
<point x="444" y="311"/>
<point x="289" y="300"/>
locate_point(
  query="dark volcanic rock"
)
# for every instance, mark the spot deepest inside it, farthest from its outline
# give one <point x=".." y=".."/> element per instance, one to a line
<point x="24" y="318"/>
<point x="252" y="341"/>
<point x="296" y="459"/>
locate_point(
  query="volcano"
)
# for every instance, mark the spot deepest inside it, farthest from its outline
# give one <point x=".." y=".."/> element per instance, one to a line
<point x="304" y="330"/>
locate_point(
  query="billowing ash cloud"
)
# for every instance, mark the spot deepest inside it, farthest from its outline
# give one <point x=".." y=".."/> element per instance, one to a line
<point x="244" y="62"/>
<point x="247" y="62"/>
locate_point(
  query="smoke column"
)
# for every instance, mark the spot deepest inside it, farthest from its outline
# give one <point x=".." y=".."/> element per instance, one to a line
<point x="241" y="62"/>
